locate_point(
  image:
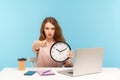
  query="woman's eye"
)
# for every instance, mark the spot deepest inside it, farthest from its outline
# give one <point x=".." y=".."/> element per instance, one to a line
<point x="47" y="28"/>
<point x="53" y="28"/>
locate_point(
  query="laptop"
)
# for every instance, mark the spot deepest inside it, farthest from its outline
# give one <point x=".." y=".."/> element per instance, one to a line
<point x="87" y="61"/>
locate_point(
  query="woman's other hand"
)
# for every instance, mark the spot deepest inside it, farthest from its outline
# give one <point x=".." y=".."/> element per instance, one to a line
<point x="43" y="43"/>
<point x="71" y="54"/>
<point x="37" y="44"/>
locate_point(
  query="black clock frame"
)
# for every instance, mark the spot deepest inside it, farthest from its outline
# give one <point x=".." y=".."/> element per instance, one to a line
<point x="55" y="44"/>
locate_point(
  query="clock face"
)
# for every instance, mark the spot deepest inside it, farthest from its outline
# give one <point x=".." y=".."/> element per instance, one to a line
<point x="59" y="51"/>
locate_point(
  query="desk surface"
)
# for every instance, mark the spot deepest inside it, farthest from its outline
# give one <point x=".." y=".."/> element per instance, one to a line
<point x="15" y="74"/>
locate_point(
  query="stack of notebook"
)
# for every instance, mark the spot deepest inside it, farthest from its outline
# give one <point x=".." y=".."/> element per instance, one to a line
<point x="45" y="72"/>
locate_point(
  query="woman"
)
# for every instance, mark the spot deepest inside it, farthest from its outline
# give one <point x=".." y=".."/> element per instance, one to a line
<point x="50" y="33"/>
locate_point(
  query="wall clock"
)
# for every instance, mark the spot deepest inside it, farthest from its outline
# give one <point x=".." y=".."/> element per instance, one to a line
<point x="59" y="51"/>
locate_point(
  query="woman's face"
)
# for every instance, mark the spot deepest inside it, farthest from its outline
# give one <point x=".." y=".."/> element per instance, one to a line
<point x="49" y="30"/>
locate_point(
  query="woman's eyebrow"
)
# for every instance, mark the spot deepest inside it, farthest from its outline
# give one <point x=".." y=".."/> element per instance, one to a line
<point x="50" y="27"/>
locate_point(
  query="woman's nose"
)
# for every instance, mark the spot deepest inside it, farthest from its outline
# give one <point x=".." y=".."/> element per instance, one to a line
<point x="50" y="30"/>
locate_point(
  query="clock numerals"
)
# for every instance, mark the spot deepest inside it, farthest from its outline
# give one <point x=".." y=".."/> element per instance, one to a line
<point x="53" y="47"/>
<point x="64" y="57"/>
<point x="53" y="55"/>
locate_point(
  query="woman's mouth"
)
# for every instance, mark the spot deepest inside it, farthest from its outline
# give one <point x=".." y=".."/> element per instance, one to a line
<point x="49" y="35"/>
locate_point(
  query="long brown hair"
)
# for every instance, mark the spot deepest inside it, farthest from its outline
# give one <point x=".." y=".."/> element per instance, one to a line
<point x="58" y="36"/>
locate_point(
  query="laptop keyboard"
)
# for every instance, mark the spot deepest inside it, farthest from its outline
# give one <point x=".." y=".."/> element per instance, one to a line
<point x="70" y="72"/>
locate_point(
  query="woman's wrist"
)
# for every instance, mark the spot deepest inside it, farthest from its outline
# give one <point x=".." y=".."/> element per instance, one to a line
<point x="68" y="63"/>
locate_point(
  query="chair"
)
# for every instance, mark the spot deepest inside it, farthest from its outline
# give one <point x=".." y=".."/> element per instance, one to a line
<point x="32" y="60"/>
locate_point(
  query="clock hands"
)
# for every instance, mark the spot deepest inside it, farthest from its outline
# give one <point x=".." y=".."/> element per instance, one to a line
<point x="63" y="49"/>
<point x="58" y="50"/>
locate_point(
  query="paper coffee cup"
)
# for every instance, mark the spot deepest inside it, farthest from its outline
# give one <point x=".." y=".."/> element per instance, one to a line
<point x="21" y="64"/>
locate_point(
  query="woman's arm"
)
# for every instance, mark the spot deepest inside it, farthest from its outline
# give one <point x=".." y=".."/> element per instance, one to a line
<point x="36" y="46"/>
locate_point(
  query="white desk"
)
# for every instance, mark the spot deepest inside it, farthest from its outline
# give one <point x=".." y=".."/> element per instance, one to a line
<point x="15" y="74"/>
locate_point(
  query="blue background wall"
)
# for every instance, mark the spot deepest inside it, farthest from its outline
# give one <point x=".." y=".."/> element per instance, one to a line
<point x="85" y="23"/>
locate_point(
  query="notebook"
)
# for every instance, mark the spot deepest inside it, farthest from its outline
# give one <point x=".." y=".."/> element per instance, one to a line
<point x="29" y="73"/>
<point x="45" y="72"/>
